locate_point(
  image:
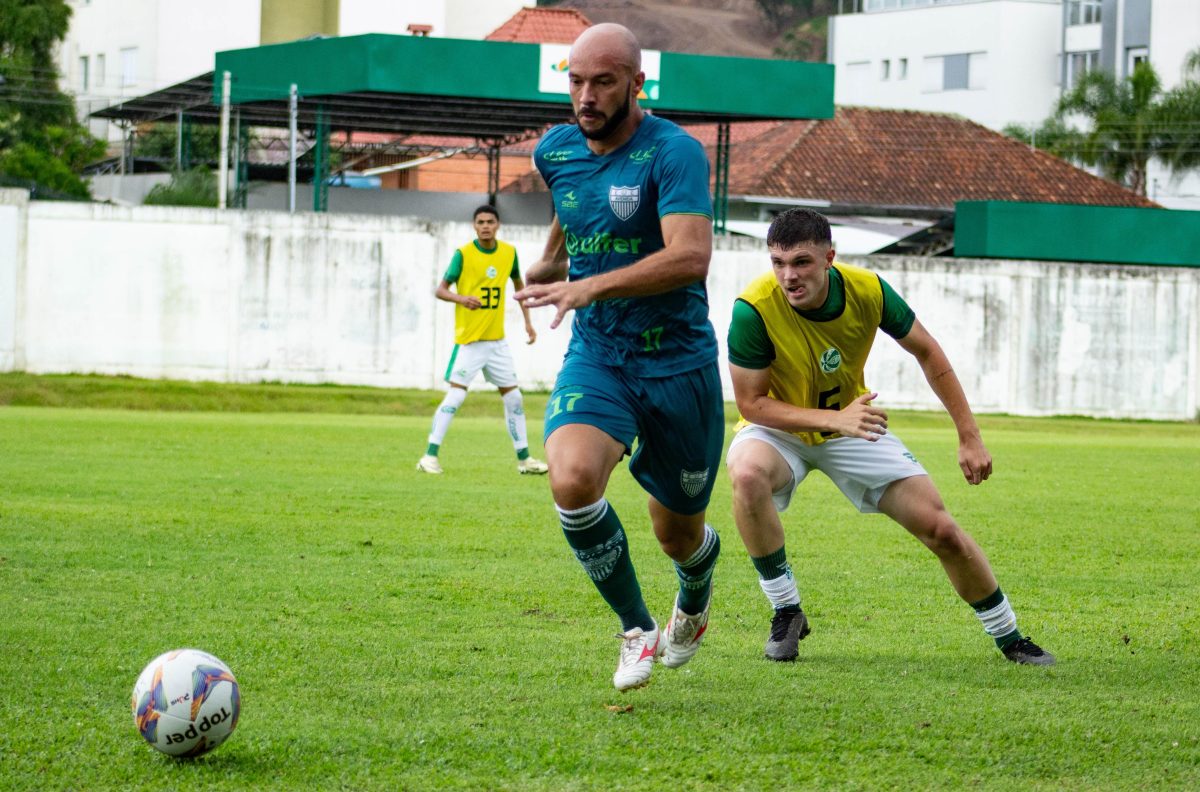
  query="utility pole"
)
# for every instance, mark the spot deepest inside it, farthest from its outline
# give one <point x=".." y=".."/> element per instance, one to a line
<point x="292" y="113"/>
<point x="223" y="165"/>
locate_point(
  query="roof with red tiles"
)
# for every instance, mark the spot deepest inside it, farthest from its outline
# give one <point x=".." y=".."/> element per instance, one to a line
<point x="893" y="158"/>
<point x="542" y="26"/>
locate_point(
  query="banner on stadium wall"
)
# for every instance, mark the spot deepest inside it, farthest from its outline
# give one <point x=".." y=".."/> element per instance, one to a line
<point x="553" y="68"/>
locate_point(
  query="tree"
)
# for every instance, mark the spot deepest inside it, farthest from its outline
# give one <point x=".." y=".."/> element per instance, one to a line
<point x="196" y="187"/>
<point x="1130" y="121"/>
<point x="53" y="159"/>
<point x="1053" y="135"/>
<point x="783" y="14"/>
<point x="160" y="141"/>
<point x="1177" y="120"/>
<point x="40" y="136"/>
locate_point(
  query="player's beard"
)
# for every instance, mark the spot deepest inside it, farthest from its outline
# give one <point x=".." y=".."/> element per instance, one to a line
<point x="614" y="121"/>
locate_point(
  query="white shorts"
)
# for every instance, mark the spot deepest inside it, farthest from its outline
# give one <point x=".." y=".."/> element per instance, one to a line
<point x="493" y="358"/>
<point x="861" y="469"/>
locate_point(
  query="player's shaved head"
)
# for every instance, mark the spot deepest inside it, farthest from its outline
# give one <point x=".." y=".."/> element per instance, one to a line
<point x="610" y="41"/>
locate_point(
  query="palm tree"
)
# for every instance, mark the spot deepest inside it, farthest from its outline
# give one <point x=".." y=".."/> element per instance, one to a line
<point x="1132" y="120"/>
<point x="1178" y="120"/>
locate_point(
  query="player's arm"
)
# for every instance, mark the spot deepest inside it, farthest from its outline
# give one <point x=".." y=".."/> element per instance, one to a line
<point x="973" y="457"/>
<point x="554" y="264"/>
<point x="684" y="258"/>
<point x="468" y="301"/>
<point x="752" y="386"/>
<point x="443" y="292"/>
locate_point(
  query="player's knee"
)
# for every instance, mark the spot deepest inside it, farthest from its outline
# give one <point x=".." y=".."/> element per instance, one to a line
<point x="454" y="398"/>
<point x="574" y="485"/>
<point x="748" y="478"/>
<point x="943" y="536"/>
<point x="673" y="546"/>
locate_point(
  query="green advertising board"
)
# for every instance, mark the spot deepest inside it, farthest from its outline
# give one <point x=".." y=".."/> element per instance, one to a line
<point x="503" y="71"/>
<point x="1072" y="232"/>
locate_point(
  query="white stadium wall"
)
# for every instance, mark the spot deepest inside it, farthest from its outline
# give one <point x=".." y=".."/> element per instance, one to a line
<point x="266" y="296"/>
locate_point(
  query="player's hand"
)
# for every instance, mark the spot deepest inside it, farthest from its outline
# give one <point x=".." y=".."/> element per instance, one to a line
<point x="529" y="331"/>
<point x="563" y="295"/>
<point x="544" y="271"/>
<point x="470" y="302"/>
<point x="860" y="419"/>
<point x="975" y="461"/>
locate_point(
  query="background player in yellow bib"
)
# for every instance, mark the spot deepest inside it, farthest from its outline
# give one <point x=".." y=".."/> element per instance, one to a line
<point x="479" y="272"/>
<point x="798" y="345"/>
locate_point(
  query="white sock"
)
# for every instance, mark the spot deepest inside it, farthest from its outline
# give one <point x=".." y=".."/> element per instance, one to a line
<point x="998" y="621"/>
<point x="514" y="417"/>
<point x="781" y="591"/>
<point x="445" y="414"/>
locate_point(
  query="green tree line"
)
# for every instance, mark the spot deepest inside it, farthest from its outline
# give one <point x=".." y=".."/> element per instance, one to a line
<point x="41" y="139"/>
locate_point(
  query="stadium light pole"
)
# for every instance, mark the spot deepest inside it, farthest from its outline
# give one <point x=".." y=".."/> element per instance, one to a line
<point x="223" y="165"/>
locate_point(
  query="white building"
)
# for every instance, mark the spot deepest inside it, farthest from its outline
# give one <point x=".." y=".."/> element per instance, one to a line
<point x="998" y="62"/>
<point x="117" y="49"/>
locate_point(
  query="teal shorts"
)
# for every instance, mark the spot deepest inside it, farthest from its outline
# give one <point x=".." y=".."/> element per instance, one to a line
<point x="677" y="421"/>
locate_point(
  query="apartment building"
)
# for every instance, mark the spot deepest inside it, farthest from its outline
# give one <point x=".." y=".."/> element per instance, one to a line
<point x="998" y="62"/>
<point x="117" y="49"/>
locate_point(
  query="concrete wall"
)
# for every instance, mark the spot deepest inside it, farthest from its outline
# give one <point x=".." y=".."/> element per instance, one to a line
<point x="253" y="296"/>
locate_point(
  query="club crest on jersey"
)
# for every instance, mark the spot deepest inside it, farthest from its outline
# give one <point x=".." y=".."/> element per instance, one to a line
<point x="693" y="481"/>
<point x="624" y="201"/>
<point x="491" y="272"/>
<point x="831" y="359"/>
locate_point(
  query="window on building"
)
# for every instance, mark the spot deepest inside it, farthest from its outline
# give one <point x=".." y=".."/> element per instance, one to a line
<point x="1083" y="12"/>
<point x="1134" y="56"/>
<point x="129" y="67"/>
<point x="83" y="73"/>
<point x="100" y="77"/>
<point x="902" y="69"/>
<point x="958" y="72"/>
<point x="1079" y="64"/>
<point x="885" y="69"/>
<point x="857" y="74"/>
<point x="977" y="71"/>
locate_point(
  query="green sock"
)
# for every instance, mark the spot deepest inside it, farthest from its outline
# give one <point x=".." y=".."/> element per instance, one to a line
<point x="771" y="565"/>
<point x="776" y="579"/>
<point x="695" y="574"/>
<point x="598" y="539"/>
<point x="523" y="454"/>
<point x="433" y="449"/>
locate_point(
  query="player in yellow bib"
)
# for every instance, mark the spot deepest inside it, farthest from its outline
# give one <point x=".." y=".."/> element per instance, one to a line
<point x="480" y="272"/>
<point x="798" y="346"/>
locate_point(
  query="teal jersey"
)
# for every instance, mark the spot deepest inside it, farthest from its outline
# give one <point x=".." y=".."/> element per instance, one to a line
<point x="610" y="208"/>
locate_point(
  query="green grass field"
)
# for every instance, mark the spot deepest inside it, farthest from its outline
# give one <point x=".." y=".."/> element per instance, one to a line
<point x="397" y="631"/>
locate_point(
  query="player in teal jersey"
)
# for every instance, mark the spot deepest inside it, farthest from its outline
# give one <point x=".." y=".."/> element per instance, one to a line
<point x="628" y="251"/>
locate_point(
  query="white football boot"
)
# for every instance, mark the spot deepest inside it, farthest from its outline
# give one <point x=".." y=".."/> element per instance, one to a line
<point x="429" y="464"/>
<point x="638" y="650"/>
<point x="683" y="635"/>
<point x="531" y="465"/>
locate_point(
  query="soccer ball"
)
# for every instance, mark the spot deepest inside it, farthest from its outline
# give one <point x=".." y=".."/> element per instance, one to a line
<point x="186" y="702"/>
